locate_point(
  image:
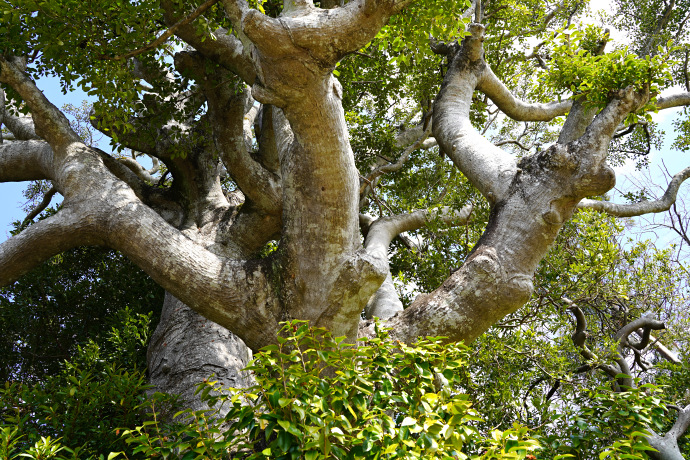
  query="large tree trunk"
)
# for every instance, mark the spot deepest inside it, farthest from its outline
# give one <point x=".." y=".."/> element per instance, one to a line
<point x="187" y="348"/>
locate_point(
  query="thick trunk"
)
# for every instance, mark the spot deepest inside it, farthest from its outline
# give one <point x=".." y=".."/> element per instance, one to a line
<point x="187" y="348"/>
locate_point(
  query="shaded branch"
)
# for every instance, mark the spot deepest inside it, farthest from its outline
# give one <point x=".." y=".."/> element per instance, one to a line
<point x="579" y="338"/>
<point x="47" y="198"/>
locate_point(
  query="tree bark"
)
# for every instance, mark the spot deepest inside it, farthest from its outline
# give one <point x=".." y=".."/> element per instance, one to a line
<point x="187" y="348"/>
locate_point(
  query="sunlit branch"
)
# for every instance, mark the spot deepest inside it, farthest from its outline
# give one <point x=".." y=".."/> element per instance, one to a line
<point x="644" y="207"/>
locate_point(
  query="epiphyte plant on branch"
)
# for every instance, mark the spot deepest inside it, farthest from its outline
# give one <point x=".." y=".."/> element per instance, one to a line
<point x="244" y="107"/>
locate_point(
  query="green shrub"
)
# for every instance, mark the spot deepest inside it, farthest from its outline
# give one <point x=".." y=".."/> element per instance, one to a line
<point x="317" y="397"/>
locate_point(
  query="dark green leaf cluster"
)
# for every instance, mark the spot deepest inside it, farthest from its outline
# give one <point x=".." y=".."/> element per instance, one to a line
<point x="85" y="294"/>
<point x="75" y="413"/>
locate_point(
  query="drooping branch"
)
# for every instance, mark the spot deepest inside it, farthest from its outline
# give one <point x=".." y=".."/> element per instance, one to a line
<point x="644" y="207"/>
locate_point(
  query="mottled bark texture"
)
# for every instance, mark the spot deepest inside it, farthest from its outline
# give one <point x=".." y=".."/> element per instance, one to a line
<point x="298" y="186"/>
<point x="187" y="348"/>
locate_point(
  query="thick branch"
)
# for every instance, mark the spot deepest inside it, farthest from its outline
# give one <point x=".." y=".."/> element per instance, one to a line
<point x="682" y="423"/>
<point x="674" y="100"/>
<point x="26" y="160"/>
<point x="227" y="101"/>
<point x="21" y="127"/>
<point x="645" y="323"/>
<point x="644" y="207"/>
<point x="487" y="167"/>
<point x="42" y="240"/>
<point x="515" y="108"/>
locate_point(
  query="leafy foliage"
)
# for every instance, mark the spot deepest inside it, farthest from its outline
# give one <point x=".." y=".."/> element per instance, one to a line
<point x="580" y="68"/>
<point x="74" y="413"/>
<point x="317" y="397"/>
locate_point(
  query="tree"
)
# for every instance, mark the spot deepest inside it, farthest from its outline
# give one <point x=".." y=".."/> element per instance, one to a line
<point x="257" y="217"/>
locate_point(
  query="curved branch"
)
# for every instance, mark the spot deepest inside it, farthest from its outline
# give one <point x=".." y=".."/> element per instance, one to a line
<point x="644" y="207"/>
<point x="42" y="240"/>
<point x="486" y="166"/>
<point x="515" y="108"/>
<point x="137" y="169"/>
<point x="580" y="336"/>
<point x="646" y="323"/>
<point x="682" y="423"/>
<point x="226" y="110"/>
<point x="383" y="230"/>
<point x="385" y="303"/>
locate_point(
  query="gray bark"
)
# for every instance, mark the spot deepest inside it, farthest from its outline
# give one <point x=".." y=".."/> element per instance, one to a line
<point x="187" y="348"/>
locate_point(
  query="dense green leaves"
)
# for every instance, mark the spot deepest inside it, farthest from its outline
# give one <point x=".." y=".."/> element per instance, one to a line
<point x="317" y="397"/>
<point x="81" y="295"/>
